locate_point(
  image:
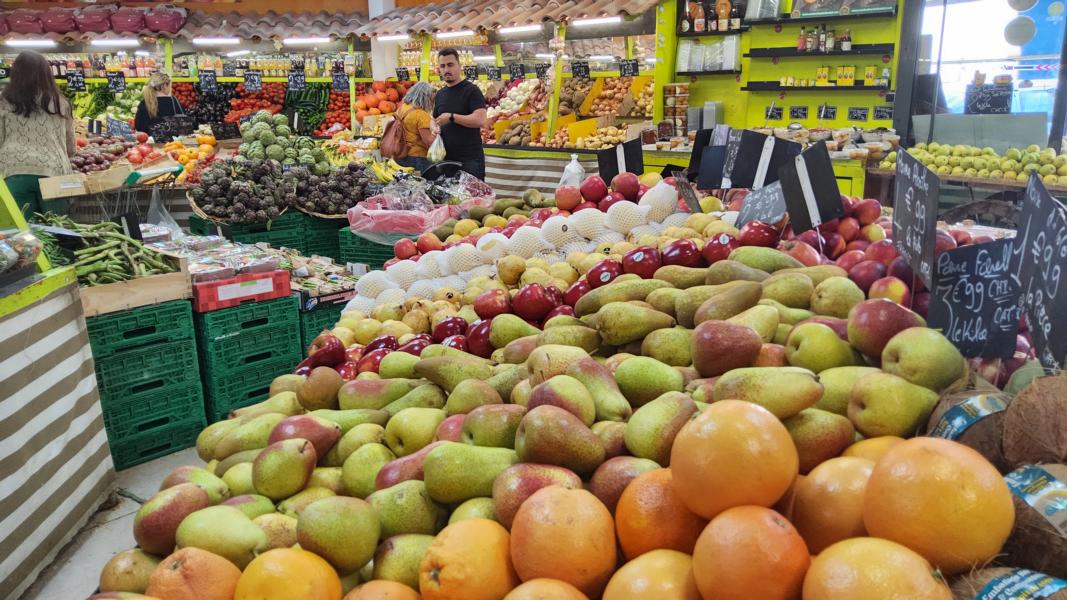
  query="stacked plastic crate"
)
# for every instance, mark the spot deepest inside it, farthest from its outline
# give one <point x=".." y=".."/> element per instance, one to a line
<point x="355" y="249"/>
<point x="321" y="237"/>
<point x="289" y="230"/>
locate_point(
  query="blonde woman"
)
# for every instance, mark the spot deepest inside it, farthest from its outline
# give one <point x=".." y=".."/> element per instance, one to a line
<point x="157" y="103"/>
<point x="419" y="127"/>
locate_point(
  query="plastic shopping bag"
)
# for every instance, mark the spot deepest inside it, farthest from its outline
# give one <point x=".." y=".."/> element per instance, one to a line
<point x="573" y="173"/>
<point x="436" y="152"/>
<point x="159" y="215"/>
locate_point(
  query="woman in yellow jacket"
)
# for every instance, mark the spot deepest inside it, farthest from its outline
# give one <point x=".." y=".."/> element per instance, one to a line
<point x="419" y="127"/>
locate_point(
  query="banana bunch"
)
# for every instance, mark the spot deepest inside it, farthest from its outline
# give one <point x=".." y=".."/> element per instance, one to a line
<point x="387" y="170"/>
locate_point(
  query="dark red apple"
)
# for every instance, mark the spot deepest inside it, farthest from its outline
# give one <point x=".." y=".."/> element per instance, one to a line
<point x="427" y="242"/>
<point x="372" y="360"/>
<point x="682" y="252"/>
<point x="478" y="338"/>
<point x="576" y="291"/>
<point x="562" y="309"/>
<point x="555" y="295"/>
<point x="828" y="226"/>
<point x="719" y="247"/>
<point x="849" y="204"/>
<point x="459" y="342"/>
<point x="943" y="241"/>
<point x="962" y="237"/>
<point x="491" y="303"/>
<point x="865" y="273"/>
<point x="756" y="233"/>
<point x="642" y="261"/>
<point x="900" y="269"/>
<point x="532" y="302"/>
<point x="608" y="200"/>
<point x="348" y="370"/>
<point x="383" y="341"/>
<point x="920" y="303"/>
<point x="404" y="248"/>
<point x="627" y="185"/>
<point x="449" y="326"/>
<point x="849" y="228"/>
<point x="860" y="245"/>
<point x="415" y="346"/>
<point x="867" y="211"/>
<point x="982" y="239"/>
<point x="354" y="352"/>
<point x="807" y="255"/>
<point x="593" y="189"/>
<point x="849" y="259"/>
<point x="813" y="238"/>
<point x="882" y="251"/>
<point x="390" y="262"/>
<point x="835" y="245"/>
<point x="568" y="197"/>
<point x="583" y="206"/>
<point x="604" y="272"/>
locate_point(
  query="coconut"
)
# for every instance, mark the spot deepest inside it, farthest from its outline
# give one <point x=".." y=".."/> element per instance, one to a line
<point x="967" y="587"/>
<point x="1034" y="543"/>
<point x="1035" y="424"/>
<point x="985" y="434"/>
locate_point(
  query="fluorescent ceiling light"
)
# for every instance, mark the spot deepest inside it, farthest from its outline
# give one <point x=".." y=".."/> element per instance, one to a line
<point x="216" y="41"/>
<point x="597" y="21"/>
<point x="601" y="57"/>
<point x="444" y="35"/>
<point x="394" y="38"/>
<point x="298" y="41"/>
<point x="120" y="53"/>
<point x="238" y="53"/>
<point x="31" y="43"/>
<point x="142" y="53"/>
<point x="520" y="29"/>
<point x="117" y="42"/>
<point x="485" y="58"/>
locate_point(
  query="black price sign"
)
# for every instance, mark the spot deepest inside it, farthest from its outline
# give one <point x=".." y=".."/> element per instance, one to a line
<point x="858" y="113"/>
<point x="798" y="113"/>
<point x="76" y="81"/>
<point x="828" y="112"/>
<point x="253" y="81"/>
<point x="517" y="71"/>
<point x="340" y="81"/>
<point x="116" y="82"/>
<point x="209" y="83"/>
<point x="686" y="190"/>
<point x="915" y="215"/>
<point x="418" y="73"/>
<point x="766" y="205"/>
<point x="229" y="69"/>
<point x="810" y="189"/>
<point x="883" y="113"/>
<point x="542" y="70"/>
<point x="580" y="68"/>
<point x="492" y="73"/>
<point x="1039" y="260"/>
<point x="987" y="99"/>
<point x="5" y="72"/>
<point x="629" y="67"/>
<point x="470" y="72"/>
<point x="402" y="74"/>
<point x="975" y="302"/>
<point x="225" y="131"/>
<point x="774" y="113"/>
<point x="297" y="81"/>
<point x="117" y="128"/>
<point x="246" y="118"/>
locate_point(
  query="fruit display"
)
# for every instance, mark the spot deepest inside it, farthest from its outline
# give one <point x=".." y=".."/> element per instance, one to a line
<point x="643" y="102"/>
<point x="605" y="137"/>
<point x="383" y="98"/>
<point x="529" y="95"/>
<point x="310" y="104"/>
<point x="613" y="91"/>
<point x="185" y="94"/>
<point x="268" y="136"/>
<point x="338" y="115"/>
<point x="99" y="103"/>
<point x="249" y="190"/>
<point x="560" y="139"/>
<point x="518" y="134"/>
<point x="97" y="153"/>
<point x="1015" y="164"/>
<point x="572" y="94"/>
<point x="330" y="194"/>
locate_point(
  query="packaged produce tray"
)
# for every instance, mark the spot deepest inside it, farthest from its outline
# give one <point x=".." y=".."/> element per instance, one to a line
<point x="224" y="355"/>
<point x="129" y="329"/>
<point x="152" y="411"/>
<point x="247" y="318"/>
<point x="143" y="291"/>
<point x="246" y="287"/>
<point x="277" y="238"/>
<point x="313" y="322"/>
<point x="154" y="444"/>
<point x="323" y="244"/>
<point x="147" y="369"/>
<point x="243" y="387"/>
<point x="355" y="249"/>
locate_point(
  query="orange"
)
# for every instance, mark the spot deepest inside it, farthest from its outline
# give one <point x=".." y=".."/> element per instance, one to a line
<point x="731" y="454"/>
<point x="286" y="573"/>
<point x="750" y="552"/>
<point x="942" y="500"/>
<point x="649" y="515"/>
<point x="546" y="589"/>
<point x="468" y="560"/>
<point x="382" y="590"/>
<point x="872" y="448"/>
<point x="866" y="568"/>
<point x="829" y="502"/>
<point x="655" y="575"/>
<point x="564" y="534"/>
<point x="193" y="574"/>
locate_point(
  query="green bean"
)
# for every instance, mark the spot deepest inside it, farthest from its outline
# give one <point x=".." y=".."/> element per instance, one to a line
<point x="94" y="249"/>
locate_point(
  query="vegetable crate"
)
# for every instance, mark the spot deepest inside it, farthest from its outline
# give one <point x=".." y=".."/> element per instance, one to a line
<point x="152" y="411"/>
<point x="154" y="444"/>
<point x="289" y="220"/>
<point x="321" y="237"/>
<point x="243" y="387"/>
<point x="355" y="249"/>
<point x="250" y="318"/>
<point x="147" y="369"/>
<point x="117" y="332"/>
<point x="322" y="317"/>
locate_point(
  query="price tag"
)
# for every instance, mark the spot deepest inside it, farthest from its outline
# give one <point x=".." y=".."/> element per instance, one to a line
<point x="209" y="83"/>
<point x="517" y="72"/>
<point x="774" y="113"/>
<point x="492" y="73"/>
<point x="883" y="113"/>
<point x="470" y="72"/>
<point x="580" y="68"/>
<point x="686" y="190"/>
<point x="810" y="189"/>
<point x="629" y="67"/>
<point x="225" y="131"/>
<point x="5" y="72"/>
<point x="246" y="118"/>
<point x="766" y="205"/>
<point x="915" y="215"/>
<point x="253" y="81"/>
<point x="1039" y="260"/>
<point x="542" y="70"/>
<point x="116" y="82"/>
<point x="402" y="74"/>
<point x="116" y="128"/>
<point x="828" y="113"/>
<point x="76" y="81"/>
<point x="798" y="113"/>
<point x="858" y="113"/>
<point x="340" y="81"/>
<point x="297" y="81"/>
<point x="229" y="69"/>
<point x="975" y="302"/>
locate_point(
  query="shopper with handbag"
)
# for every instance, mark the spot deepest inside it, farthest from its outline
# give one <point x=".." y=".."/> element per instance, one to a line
<point x="408" y="138"/>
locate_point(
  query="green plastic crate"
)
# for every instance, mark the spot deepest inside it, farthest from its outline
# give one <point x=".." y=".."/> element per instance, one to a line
<point x="154" y="444"/>
<point x="283" y="238"/>
<point x="243" y="387"/>
<point x="319" y="224"/>
<point x="147" y="369"/>
<point x="248" y="318"/>
<point x="314" y="321"/>
<point x="224" y="355"/>
<point x="152" y="411"/>
<point x="129" y="329"/>
<point x="290" y="219"/>
<point x="355" y="249"/>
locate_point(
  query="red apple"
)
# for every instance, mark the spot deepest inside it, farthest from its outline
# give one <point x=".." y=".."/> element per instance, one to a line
<point x="608" y="200"/>
<point x="491" y="303"/>
<point x="532" y="302"/>
<point x="459" y="342"/>
<point x="562" y="309"/>
<point x="866" y="273"/>
<point x="835" y="245"/>
<point x="962" y="237"/>
<point x="860" y="245"/>
<point x="719" y="247"/>
<point x="390" y="262"/>
<point x="682" y="252"/>
<point x="872" y="323"/>
<point x="849" y="259"/>
<point x="849" y="228"/>
<point x="920" y="303"/>
<point x="554" y="294"/>
<point x="383" y="341"/>
<point x="828" y="226"/>
<point x="891" y="288"/>
<point x="593" y="189"/>
<point x="603" y="272"/>
<point x="813" y="238"/>
<point x="348" y="370"/>
<point x="900" y="269"/>
<point x="807" y="255"/>
<point x="449" y="326"/>
<point x="882" y="251"/>
<point x="982" y="239"/>
<point x="627" y="185"/>
<point x="756" y="233"/>
<point x="943" y="241"/>
<point x="584" y="205"/>
<point x="354" y="352"/>
<point x="576" y="291"/>
<point x="415" y="346"/>
<point x="641" y="190"/>
<point x="849" y="204"/>
<point x="404" y="248"/>
<point x="372" y="360"/>
<point x="428" y="242"/>
<point x="867" y="211"/>
<point x="873" y="233"/>
<point x="568" y="197"/>
<point x="840" y="326"/>
<point x="642" y="261"/>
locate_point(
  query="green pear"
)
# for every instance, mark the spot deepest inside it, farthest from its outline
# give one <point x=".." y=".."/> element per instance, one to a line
<point x="781" y="335"/>
<point x="376" y="393"/>
<point x="210" y="436"/>
<point x="817" y="273"/>
<point x="817" y="347"/>
<point x="216" y="488"/>
<point x="686" y="302"/>
<point x="505" y="380"/>
<point x="836" y="296"/>
<point x="398" y="558"/>
<point x="786" y="315"/>
<point x="362" y="466"/>
<point x="280" y="529"/>
<point x="411" y="429"/>
<point x="285" y="402"/>
<point x="732" y="299"/>
<point x="637" y="289"/>
<point x="519" y="482"/>
<point x="762" y="319"/>
<point x="347" y="419"/>
<point x="406" y="508"/>
<point x="550" y="360"/>
<point x="157" y="520"/>
<point x="283" y="468"/>
<point x="508" y="327"/>
<point x="358" y="436"/>
<point x="222" y="530"/>
<point x="344" y="531"/>
<point x="642" y="379"/>
<point x="612" y="436"/>
<point x="238" y="479"/>
<point x="791" y="289"/>
<point x="471" y="394"/>
<point x="651" y="430"/>
<point x="244" y="456"/>
<point x="455" y="472"/>
<point x="294" y="505"/>
<point x="330" y="478"/>
<point x="837" y="384"/>
<point x="664" y="299"/>
<point x="885" y="404"/>
<point x="251" y="435"/>
<point x="552" y="436"/>
<point x="475" y="508"/>
<point x="518" y="350"/>
<point x="447" y="371"/>
<point x="924" y="357"/>
<point x="425" y="396"/>
<point x="669" y="346"/>
<point x="252" y="505"/>
<point x="581" y="336"/>
<point x="493" y="425"/>
<point x="785" y="391"/>
<point x="563" y="321"/>
<point x="611" y="404"/>
<point x="621" y="322"/>
<point x="397" y="365"/>
<point x="725" y="271"/>
<point x="679" y="276"/>
<point x="764" y="259"/>
<point x="567" y="393"/>
<point x="819" y="436"/>
<point x="520" y="394"/>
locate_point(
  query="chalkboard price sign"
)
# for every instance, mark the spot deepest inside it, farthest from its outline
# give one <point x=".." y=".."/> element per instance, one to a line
<point x="517" y="72"/>
<point x="798" y="113"/>
<point x="402" y="74"/>
<point x="828" y="113"/>
<point x="229" y="69"/>
<point x="915" y="215"/>
<point x="987" y="99"/>
<point x="253" y="81"/>
<point x="542" y="70"/>
<point x="209" y="82"/>
<point x="117" y="128"/>
<point x="580" y="68"/>
<point x="766" y="205"/>
<point x="225" y="131"/>
<point x="774" y="113"/>
<point x="858" y="113"/>
<point x="1039" y="260"/>
<point x="418" y="72"/>
<point x="883" y="113"/>
<point x="5" y="72"/>
<point x="975" y="302"/>
<point x="492" y="73"/>
<point x="297" y="81"/>
<point x="340" y="81"/>
<point x="116" y="82"/>
<point x="629" y="67"/>
<point x="470" y="72"/>
<point x="76" y="81"/>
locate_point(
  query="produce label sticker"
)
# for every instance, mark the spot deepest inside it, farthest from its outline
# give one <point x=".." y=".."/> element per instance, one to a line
<point x="1021" y="583"/>
<point x="1042" y="491"/>
<point x="246" y="289"/>
<point x="958" y="418"/>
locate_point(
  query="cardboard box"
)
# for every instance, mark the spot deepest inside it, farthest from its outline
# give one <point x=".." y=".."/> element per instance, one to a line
<point x="142" y="291"/>
<point x="63" y="186"/>
<point x="111" y="179"/>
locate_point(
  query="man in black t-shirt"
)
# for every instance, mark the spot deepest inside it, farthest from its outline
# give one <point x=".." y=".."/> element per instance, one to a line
<point x="459" y="110"/>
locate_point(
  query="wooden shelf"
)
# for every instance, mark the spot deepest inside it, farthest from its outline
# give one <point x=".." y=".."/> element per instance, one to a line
<point x="698" y="34"/>
<point x="859" y="49"/>
<point x="773" y="86"/>
<point x="704" y="73"/>
<point x="786" y="19"/>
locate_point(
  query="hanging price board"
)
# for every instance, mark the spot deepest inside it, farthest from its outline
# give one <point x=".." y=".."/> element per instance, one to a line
<point x="517" y="72"/>
<point x="470" y="72"/>
<point x="209" y="83"/>
<point x="580" y="68"/>
<point x="229" y="69"/>
<point x="297" y="81"/>
<point x="828" y="112"/>
<point x="629" y="67"/>
<point x="402" y="74"/>
<point x="774" y="113"/>
<point x="492" y="73"/>
<point x="883" y="113"/>
<point x="418" y="73"/>
<point x="116" y="82"/>
<point x="76" y="81"/>
<point x="340" y="81"/>
<point x="253" y="81"/>
<point x="542" y="70"/>
<point x="766" y="205"/>
<point x="858" y="113"/>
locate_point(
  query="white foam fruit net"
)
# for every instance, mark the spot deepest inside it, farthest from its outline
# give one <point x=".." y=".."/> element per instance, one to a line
<point x="429" y="267"/>
<point x="402" y="273"/>
<point x="526" y="241"/>
<point x="558" y="230"/>
<point x="374" y="283"/>
<point x="361" y="303"/>
<point x="391" y="296"/>
<point x="463" y="257"/>
<point x="493" y="245"/>
<point x="624" y="216"/>
<point x="589" y="223"/>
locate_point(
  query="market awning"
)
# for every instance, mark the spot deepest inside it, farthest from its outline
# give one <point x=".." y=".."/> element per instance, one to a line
<point x="271" y="24"/>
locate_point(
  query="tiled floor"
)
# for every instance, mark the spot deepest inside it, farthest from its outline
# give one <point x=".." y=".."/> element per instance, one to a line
<point x="74" y="574"/>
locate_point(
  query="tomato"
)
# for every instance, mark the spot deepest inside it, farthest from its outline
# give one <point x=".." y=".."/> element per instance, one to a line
<point x="142" y="137"/>
<point x="134" y="157"/>
<point x="144" y="148"/>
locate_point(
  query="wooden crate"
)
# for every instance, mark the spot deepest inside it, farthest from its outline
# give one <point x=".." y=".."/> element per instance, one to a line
<point x="143" y="291"/>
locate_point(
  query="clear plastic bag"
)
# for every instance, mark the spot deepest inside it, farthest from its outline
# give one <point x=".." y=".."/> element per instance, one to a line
<point x="573" y="173"/>
<point x="159" y="215"/>
<point x="436" y="152"/>
<point x="8" y="257"/>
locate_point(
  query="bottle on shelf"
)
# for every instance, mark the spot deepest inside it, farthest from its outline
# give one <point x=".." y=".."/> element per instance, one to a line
<point x="812" y="44"/>
<point x="822" y="39"/>
<point x="735" y="17"/>
<point x="687" y="19"/>
<point x="802" y="40"/>
<point x="830" y="40"/>
<point x="722" y="9"/>
<point x="696" y="11"/>
<point x="711" y="19"/>
<point x="846" y="41"/>
<point x="884" y="79"/>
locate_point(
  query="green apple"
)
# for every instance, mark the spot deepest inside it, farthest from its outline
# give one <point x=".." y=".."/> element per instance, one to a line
<point x="989" y="151"/>
<point x="1050" y="179"/>
<point x="957" y="171"/>
<point x="944" y="170"/>
<point x="996" y="174"/>
<point x="1022" y="177"/>
<point x="941" y="161"/>
<point x="954" y="161"/>
<point x="1013" y="154"/>
<point x="1009" y="175"/>
<point x="1047" y="170"/>
<point x="967" y="163"/>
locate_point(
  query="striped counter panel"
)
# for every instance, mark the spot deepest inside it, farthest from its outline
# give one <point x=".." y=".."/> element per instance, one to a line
<point x="511" y="176"/>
